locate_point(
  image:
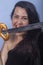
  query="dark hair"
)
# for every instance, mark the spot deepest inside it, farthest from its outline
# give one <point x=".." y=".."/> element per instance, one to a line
<point x="30" y="9"/>
<point x="32" y="36"/>
<point x="31" y="12"/>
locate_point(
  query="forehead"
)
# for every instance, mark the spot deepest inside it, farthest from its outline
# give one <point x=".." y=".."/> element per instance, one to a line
<point x="20" y="10"/>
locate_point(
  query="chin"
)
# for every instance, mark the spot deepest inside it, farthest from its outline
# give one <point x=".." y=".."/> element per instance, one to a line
<point x="19" y="34"/>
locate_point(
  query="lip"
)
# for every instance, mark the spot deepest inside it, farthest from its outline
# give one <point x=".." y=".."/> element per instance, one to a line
<point x="18" y="26"/>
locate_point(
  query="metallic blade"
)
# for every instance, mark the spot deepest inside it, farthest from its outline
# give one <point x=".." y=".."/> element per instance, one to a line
<point x="24" y="28"/>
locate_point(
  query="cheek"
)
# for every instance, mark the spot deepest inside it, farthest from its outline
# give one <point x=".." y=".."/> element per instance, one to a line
<point x="25" y="23"/>
<point x="14" y="21"/>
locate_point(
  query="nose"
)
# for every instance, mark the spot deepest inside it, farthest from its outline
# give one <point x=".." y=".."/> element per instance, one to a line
<point x="19" y="22"/>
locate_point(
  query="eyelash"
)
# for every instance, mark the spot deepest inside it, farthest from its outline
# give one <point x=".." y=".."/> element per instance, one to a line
<point x="25" y="18"/>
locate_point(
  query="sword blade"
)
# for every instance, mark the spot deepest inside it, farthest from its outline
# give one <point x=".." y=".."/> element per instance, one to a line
<point x="24" y="28"/>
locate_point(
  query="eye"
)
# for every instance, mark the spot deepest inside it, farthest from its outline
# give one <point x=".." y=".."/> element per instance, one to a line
<point x="25" y="18"/>
<point x="16" y="16"/>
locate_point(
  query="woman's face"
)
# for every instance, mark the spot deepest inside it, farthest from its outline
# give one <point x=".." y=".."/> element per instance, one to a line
<point x="19" y="18"/>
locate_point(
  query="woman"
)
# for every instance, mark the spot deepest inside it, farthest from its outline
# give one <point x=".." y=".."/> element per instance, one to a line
<point x="22" y="48"/>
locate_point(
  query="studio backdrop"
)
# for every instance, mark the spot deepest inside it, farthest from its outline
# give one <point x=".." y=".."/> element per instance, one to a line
<point x="6" y="7"/>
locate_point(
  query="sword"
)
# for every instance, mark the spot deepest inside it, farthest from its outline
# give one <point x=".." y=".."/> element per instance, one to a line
<point x="24" y="28"/>
<point x="5" y="33"/>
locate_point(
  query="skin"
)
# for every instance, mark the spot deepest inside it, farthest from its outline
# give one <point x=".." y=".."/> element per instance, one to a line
<point x="0" y="59"/>
<point x="19" y="19"/>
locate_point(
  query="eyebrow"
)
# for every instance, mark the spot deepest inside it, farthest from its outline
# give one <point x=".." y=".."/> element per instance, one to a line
<point x="22" y="16"/>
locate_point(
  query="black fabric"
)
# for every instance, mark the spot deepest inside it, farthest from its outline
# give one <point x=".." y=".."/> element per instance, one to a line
<point x="23" y="54"/>
<point x="40" y="42"/>
<point x="17" y="57"/>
